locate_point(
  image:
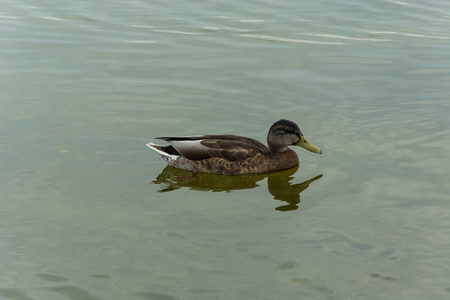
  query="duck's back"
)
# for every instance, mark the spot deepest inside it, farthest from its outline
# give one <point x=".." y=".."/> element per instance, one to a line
<point x="230" y="147"/>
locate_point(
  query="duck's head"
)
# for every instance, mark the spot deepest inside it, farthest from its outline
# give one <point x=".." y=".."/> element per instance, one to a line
<point x="284" y="133"/>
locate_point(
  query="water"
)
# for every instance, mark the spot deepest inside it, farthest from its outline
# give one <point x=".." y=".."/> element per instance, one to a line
<point x="88" y="212"/>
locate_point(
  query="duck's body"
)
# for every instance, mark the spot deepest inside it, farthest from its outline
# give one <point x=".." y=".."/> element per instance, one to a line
<point x="236" y="155"/>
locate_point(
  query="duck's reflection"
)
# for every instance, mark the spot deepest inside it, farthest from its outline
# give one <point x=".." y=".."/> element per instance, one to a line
<point x="279" y="184"/>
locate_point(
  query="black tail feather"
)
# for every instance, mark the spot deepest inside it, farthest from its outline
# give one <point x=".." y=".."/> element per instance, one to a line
<point x="169" y="150"/>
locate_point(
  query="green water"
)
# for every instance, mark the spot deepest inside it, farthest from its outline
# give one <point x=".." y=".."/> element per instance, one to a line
<point x="88" y="212"/>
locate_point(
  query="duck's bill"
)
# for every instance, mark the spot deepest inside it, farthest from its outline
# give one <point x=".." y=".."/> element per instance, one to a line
<point x="308" y="146"/>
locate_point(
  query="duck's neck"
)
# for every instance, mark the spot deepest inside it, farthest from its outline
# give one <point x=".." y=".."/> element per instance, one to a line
<point x="275" y="146"/>
<point x="286" y="159"/>
<point x="278" y="149"/>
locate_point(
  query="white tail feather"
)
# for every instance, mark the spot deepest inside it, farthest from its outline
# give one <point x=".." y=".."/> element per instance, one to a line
<point x="152" y="146"/>
<point x="169" y="158"/>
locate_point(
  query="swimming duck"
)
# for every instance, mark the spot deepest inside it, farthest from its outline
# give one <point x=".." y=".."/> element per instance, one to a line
<point x="236" y="155"/>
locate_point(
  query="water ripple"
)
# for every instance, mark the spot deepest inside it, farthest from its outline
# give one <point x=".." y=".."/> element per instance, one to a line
<point x="52" y="18"/>
<point x="411" y="35"/>
<point x="278" y="39"/>
<point x="176" y="31"/>
<point x="140" y="42"/>
<point x="351" y="38"/>
<point x="251" y="21"/>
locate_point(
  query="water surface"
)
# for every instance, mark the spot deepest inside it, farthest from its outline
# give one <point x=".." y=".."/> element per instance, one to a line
<point x="89" y="212"/>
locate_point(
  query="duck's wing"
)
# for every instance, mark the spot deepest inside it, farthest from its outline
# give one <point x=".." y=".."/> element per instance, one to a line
<point x="229" y="147"/>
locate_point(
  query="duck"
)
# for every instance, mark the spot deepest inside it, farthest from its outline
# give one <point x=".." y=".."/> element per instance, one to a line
<point x="236" y="155"/>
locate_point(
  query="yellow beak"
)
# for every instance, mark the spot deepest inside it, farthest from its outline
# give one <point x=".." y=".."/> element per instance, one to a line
<point x="303" y="142"/>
